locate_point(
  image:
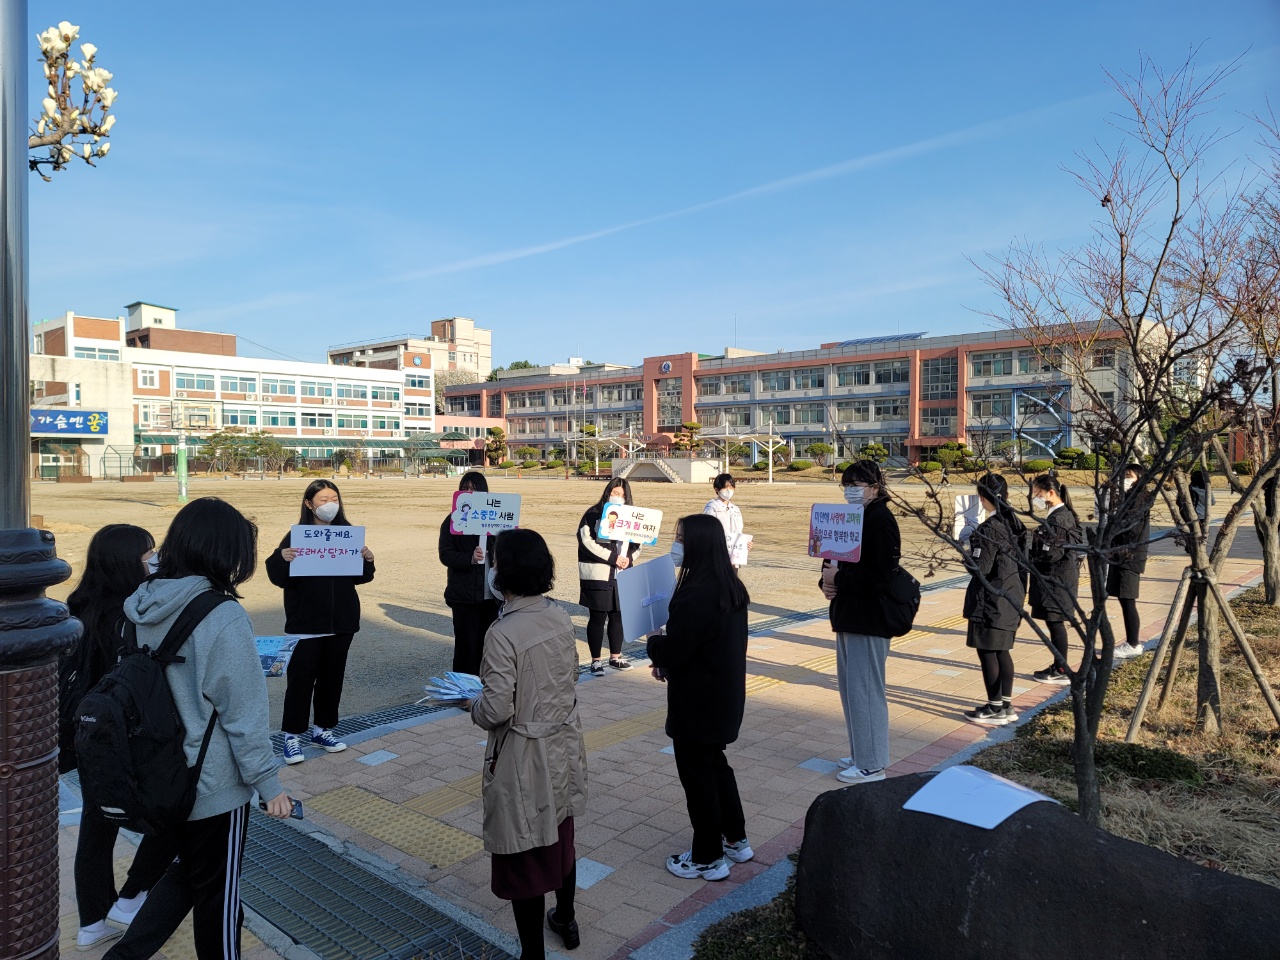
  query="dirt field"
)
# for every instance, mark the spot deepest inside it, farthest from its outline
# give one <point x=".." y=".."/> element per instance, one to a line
<point x="407" y="633"/>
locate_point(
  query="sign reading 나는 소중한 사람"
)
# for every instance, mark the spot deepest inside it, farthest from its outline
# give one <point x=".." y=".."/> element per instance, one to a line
<point x="476" y="513"/>
<point x="326" y="551"/>
<point x="835" y="531"/>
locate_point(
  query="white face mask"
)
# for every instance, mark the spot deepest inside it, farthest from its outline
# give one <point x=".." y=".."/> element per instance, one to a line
<point x="617" y="497"/>
<point x="677" y="553"/>
<point x="327" y="511"/>
<point x="1040" y="503"/>
<point x="855" y="494"/>
<point x="153" y="564"/>
<point x="726" y="493"/>
<point x="491" y="579"/>
<point x="1128" y="483"/>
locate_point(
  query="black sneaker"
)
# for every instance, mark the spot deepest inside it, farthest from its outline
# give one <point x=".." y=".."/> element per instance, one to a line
<point x="1052" y="674"/>
<point x="619" y="663"/>
<point x="987" y="715"/>
<point x="597" y="668"/>
<point x="568" y="932"/>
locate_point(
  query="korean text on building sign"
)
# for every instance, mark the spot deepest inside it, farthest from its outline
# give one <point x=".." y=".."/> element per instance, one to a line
<point x="630" y="524"/>
<point x="326" y="551"/>
<point x="69" y="421"/>
<point x="835" y="531"/>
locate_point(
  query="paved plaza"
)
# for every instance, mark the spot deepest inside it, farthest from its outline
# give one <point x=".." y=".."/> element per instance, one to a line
<point x="400" y="810"/>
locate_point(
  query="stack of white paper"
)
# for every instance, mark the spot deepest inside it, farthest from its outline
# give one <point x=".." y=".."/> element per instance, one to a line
<point x="452" y="690"/>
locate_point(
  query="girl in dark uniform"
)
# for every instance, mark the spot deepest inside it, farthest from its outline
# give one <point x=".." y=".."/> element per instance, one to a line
<point x="598" y="564"/>
<point x="1128" y="564"/>
<point x="1055" y="578"/>
<point x="994" y="607"/>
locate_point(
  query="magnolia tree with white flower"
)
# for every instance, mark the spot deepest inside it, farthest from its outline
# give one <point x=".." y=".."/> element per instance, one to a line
<point x="72" y="126"/>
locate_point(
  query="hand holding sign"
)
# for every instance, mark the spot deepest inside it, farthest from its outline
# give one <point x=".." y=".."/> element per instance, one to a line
<point x="629" y="524"/>
<point x="326" y="551"/>
<point x="644" y="596"/>
<point x="476" y="513"/>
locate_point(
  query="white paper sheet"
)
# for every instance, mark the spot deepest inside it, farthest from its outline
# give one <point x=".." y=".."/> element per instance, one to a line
<point x="973" y="796"/>
<point x="326" y="551"/>
<point x="644" y="595"/>
<point x="739" y="547"/>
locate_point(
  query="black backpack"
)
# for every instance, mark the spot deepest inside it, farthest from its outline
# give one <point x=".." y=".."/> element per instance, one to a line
<point x="129" y="735"/>
<point x="900" y="602"/>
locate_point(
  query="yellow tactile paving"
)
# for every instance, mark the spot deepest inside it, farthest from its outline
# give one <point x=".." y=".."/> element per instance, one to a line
<point x="405" y="829"/>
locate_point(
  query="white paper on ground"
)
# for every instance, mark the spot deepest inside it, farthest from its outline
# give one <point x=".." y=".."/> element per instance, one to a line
<point x="973" y="796"/>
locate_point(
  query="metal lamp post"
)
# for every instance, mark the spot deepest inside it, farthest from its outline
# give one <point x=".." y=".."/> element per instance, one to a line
<point x="34" y="630"/>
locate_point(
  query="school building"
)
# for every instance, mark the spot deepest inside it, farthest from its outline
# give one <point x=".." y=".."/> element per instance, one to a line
<point x="907" y="392"/>
<point x="112" y="393"/>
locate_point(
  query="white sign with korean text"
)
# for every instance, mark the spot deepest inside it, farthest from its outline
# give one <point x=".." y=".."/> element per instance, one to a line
<point x="835" y="531"/>
<point x="326" y="551"/>
<point x="644" y="596"/>
<point x="629" y="524"/>
<point x="476" y="513"/>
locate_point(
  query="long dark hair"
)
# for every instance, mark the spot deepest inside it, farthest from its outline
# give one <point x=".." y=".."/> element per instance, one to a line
<point x="1047" y="481"/>
<point x="868" y="472"/>
<point x="315" y="486"/>
<point x="995" y="489"/>
<point x="474" y="480"/>
<point x="613" y="485"/>
<point x="706" y="561"/>
<point x="212" y="539"/>
<point x="113" y="569"/>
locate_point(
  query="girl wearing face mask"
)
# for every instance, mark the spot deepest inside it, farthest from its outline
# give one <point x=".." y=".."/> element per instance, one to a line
<point x="1055" y="578"/>
<point x="598" y="564"/>
<point x="993" y="601"/>
<point x="724" y="510"/>
<point x="1129" y="562"/>
<point x="862" y="637"/>
<point x="329" y="608"/>
<point x="474" y="606"/>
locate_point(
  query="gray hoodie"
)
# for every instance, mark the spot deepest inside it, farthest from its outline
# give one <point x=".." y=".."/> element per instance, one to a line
<point x="222" y="672"/>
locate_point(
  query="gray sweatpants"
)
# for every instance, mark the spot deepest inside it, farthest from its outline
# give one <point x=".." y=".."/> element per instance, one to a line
<point x="860" y="673"/>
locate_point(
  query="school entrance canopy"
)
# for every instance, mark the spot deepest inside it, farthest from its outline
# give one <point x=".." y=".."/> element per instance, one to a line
<point x="724" y="437"/>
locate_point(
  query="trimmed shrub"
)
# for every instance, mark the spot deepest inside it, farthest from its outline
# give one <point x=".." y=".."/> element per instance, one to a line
<point x="800" y="465"/>
<point x="1067" y="456"/>
<point x="1243" y="467"/>
<point x="930" y="466"/>
<point x="843" y="465"/>
<point x="531" y="464"/>
<point x="761" y="465"/>
<point x="553" y="464"/>
<point x="1037" y="466"/>
<point x="506" y="464"/>
<point x="1090" y="461"/>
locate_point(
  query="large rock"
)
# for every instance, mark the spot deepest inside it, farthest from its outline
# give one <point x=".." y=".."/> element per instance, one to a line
<point x="877" y="882"/>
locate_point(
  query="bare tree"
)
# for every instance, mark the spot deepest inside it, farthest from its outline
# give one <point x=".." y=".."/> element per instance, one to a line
<point x="451" y="378"/>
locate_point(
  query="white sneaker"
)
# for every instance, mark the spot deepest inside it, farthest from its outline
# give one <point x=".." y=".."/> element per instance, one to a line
<point x="96" y="933"/>
<point x="1126" y="651"/>
<point x="123" y="912"/>
<point x="854" y="775"/>
<point x="739" y="852"/>
<point x="682" y="866"/>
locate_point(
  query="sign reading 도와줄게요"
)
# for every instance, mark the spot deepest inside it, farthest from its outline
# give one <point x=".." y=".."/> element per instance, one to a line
<point x="629" y="524"/>
<point x="835" y="531"/>
<point x="476" y="513"/>
<point x="326" y="551"/>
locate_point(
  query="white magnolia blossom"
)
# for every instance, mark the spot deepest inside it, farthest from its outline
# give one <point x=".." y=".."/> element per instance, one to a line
<point x="74" y="121"/>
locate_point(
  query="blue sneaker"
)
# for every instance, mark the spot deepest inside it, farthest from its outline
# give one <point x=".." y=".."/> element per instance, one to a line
<point x="328" y="740"/>
<point x="292" y="750"/>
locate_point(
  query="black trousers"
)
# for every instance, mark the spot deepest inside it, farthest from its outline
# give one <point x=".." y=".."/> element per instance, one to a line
<point x="711" y="794"/>
<point x="471" y="621"/>
<point x="316" y="672"/>
<point x="205" y="882"/>
<point x="529" y="917"/>
<point x="95" y="873"/>
<point x="596" y="628"/>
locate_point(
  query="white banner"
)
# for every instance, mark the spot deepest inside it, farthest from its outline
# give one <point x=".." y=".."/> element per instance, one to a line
<point x="326" y="551"/>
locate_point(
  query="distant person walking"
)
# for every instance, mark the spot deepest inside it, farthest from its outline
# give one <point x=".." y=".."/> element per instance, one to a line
<point x="862" y="635"/>
<point x="1129" y="562"/>
<point x="535" y="772"/>
<point x="120" y="558"/>
<point x="703" y="660"/>
<point x="599" y="561"/>
<point x="993" y="600"/>
<point x="327" y="607"/>
<point x="473" y="606"/>
<point x="1055" y="574"/>
<point x="725" y="510"/>
<point x="209" y="546"/>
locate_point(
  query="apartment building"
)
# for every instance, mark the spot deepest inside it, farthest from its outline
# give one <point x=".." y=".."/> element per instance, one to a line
<point x="907" y="392"/>
<point x="186" y="382"/>
<point x="455" y="343"/>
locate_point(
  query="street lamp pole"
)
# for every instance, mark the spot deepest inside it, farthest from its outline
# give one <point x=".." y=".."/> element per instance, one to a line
<point x="34" y="630"/>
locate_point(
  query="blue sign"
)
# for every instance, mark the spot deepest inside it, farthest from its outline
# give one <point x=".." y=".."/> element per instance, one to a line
<point x="70" y="421"/>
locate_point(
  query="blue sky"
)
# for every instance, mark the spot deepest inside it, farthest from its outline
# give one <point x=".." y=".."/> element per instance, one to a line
<point x="616" y="180"/>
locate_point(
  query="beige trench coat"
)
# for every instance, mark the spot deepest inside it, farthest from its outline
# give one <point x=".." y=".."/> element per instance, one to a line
<point x="535" y="771"/>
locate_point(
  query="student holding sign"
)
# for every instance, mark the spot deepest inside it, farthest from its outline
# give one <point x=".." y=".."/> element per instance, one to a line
<point x="473" y="606"/>
<point x="730" y="517"/>
<point x="599" y="560"/>
<point x="328" y="608"/>
<point x="862" y="633"/>
<point x="703" y="659"/>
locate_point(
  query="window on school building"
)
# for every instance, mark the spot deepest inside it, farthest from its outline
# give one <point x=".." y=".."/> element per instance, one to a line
<point x="95" y="353"/>
<point x="317" y="420"/>
<point x="385" y="421"/>
<point x="710" y="386"/>
<point x="853" y="411"/>
<point x="239" y="418"/>
<point x="316" y="388"/>
<point x="938" y="422"/>
<point x="994" y="364"/>
<point x="147" y="379"/>
<point x="737" y="383"/>
<point x="275" y="387"/>
<point x="353" y="391"/>
<point x="670" y="402"/>
<point x="633" y="391"/>
<point x="991" y="405"/>
<point x="418" y="382"/>
<point x="810" y="378"/>
<point x="1034" y="403"/>
<point x="353" y="421"/>
<point x="939" y="378"/>
<point x="853" y="375"/>
<point x="417" y="410"/>
<point x="736" y="416"/>
<point x="495" y="405"/>
<point x="193" y="381"/>
<point x="779" y="415"/>
<point x="1104" y="358"/>
<point x="811" y="413"/>
<point x="1039" y="361"/>
<point x="279" y="418"/>
<point x="771" y="380"/>
<point x="892" y="371"/>
<point x="383" y="391"/>
<point x="238" y="383"/>
<point x="891" y="409"/>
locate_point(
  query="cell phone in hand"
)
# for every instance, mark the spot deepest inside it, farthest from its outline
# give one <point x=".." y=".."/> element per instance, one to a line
<point x="295" y="807"/>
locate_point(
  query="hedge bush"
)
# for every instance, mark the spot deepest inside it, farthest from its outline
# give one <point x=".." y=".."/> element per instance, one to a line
<point x="1037" y="466"/>
<point x="1243" y="467"/>
<point x="531" y="464"/>
<point x="800" y="465"/>
<point x="843" y="465"/>
<point x="506" y="464"/>
<point x="930" y="466"/>
<point x="1090" y="461"/>
<point x="553" y="464"/>
<point x="1067" y="456"/>
<point x="760" y="465"/>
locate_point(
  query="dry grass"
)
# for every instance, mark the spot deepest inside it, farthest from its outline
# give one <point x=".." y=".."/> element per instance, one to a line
<point x="1212" y="800"/>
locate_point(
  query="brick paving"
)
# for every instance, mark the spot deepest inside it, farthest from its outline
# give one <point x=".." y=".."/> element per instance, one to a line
<point x="792" y="733"/>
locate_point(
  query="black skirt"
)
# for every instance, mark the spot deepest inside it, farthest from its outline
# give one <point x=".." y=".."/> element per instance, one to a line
<point x="1123" y="584"/>
<point x="598" y="595"/>
<point x="982" y="637"/>
<point x="532" y="873"/>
